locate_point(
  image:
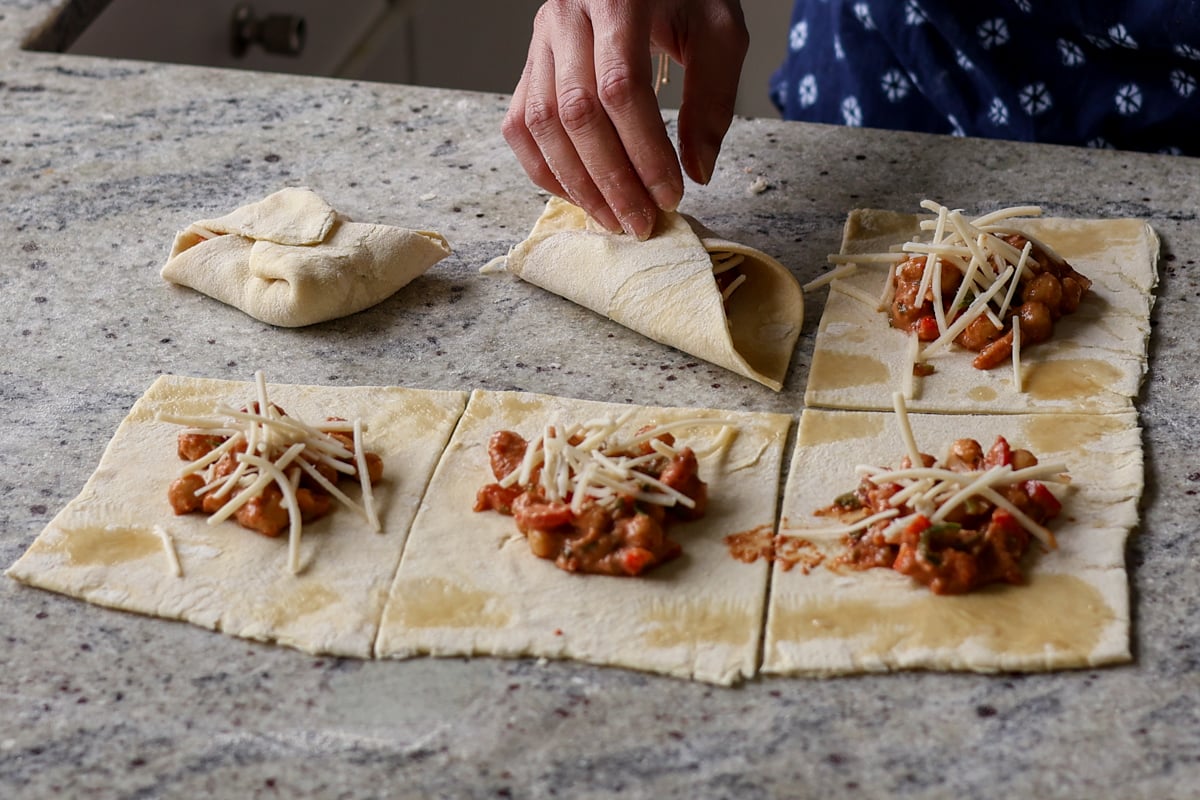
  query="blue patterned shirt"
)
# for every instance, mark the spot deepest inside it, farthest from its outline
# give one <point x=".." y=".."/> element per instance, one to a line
<point x="1118" y="74"/>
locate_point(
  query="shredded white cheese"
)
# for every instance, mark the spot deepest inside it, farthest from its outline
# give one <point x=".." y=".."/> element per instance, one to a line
<point x="733" y="285"/>
<point x="723" y="260"/>
<point x="862" y="524"/>
<point x="364" y="477"/>
<point x="937" y="491"/>
<point x="169" y="546"/>
<point x="973" y="312"/>
<point x="718" y="446"/>
<point x="1016" y="354"/>
<point x="865" y="258"/>
<point x="912" y="356"/>
<point x="1012" y="289"/>
<point x="858" y="294"/>
<point x="601" y="466"/>
<point x="278" y="449"/>
<point x="889" y="289"/>
<point x="932" y="261"/>
<point x="845" y="270"/>
<point x="975" y="247"/>
<point x="281" y="479"/>
<point x="906" y="431"/>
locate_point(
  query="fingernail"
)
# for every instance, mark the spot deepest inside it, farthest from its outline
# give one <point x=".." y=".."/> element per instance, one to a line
<point x="706" y="159"/>
<point x="666" y="196"/>
<point x="638" y="225"/>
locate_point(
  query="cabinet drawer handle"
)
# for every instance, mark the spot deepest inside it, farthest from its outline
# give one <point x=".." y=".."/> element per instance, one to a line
<point x="281" y="34"/>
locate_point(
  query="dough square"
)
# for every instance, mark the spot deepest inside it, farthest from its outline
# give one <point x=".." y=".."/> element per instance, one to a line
<point x="825" y="619"/>
<point x="104" y="546"/>
<point x="468" y="583"/>
<point x="1094" y="363"/>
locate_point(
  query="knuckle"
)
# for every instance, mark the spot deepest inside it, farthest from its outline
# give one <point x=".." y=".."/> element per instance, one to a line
<point x="540" y="117"/>
<point x="553" y="13"/>
<point x="546" y="13"/>
<point x="728" y="25"/>
<point x="578" y="109"/>
<point x="616" y="87"/>
<point x="512" y="128"/>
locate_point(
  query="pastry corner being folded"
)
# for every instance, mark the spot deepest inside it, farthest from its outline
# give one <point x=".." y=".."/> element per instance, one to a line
<point x="684" y="287"/>
<point x="291" y="260"/>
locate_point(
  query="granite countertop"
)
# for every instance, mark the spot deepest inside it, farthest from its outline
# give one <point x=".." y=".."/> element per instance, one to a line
<point x="102" y="161"/>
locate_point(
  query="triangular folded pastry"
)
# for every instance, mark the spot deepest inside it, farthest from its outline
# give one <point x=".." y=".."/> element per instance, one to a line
<point x="292" y="260"/>
<point x="665" y="287"/>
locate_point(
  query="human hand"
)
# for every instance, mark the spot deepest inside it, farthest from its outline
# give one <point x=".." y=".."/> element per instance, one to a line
<point x="584" y="121"/>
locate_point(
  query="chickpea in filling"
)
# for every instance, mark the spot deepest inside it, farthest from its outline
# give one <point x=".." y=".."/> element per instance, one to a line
<point x="1046" y="291"/>
<point x="978" y="543"/>
<point x="621" y="537"/>
<point x="267" y="512"/>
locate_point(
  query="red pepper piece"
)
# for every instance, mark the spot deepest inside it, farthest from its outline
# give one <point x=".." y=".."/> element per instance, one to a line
<point x="915" y="528"/>
<point x="1043" y="498"/>
<point x="636" y="559"/>
<point x="1000" y="455"/>
<point x="927" y="329"/>
<point x="1005" y="521"/>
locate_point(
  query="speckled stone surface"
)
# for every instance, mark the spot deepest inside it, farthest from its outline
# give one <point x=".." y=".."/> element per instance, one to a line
<point x="100" y="163"/>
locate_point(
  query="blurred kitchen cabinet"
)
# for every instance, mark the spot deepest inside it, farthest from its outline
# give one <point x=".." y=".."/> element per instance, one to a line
<point x="201" y="32"/>
<point x="453" y="44"/>
<point x="456" y="44"/>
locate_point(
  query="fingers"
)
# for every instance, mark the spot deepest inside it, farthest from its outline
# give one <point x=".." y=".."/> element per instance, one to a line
<point x="516" y="133"/>
<point x="584" y="122"/>
<point x="712" y="58"/>
<point x="624" y="84"/>
<point x="534" y="131"/>
<point x="580" y="140"/>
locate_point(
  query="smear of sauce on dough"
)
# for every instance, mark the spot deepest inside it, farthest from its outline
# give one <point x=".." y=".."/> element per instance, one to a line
<point x="749" y="546"/>
<point x="1010" y="619"/>
<point x="696" y="623"/>
<point x="827" y="428"/>
<point x="100" y="546"/>
<point x="1048" y="432"/>
<point x="438" y="603"/>
<point x="796" y="551"/>
<point x="784" y="549"/>
<point x="1070" y="379"/>
<point x="834" y="370"/>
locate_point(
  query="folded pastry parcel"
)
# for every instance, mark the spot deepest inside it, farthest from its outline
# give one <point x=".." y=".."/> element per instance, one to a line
<point x="686" y="287"/>
<point x="292" y="260"/>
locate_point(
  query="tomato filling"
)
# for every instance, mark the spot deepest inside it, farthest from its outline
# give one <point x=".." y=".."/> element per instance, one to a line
<point x="977" y="543"/>
<point x="1048" y="289"/>
<point x="620" y="536"/>
<point x="266" y="512"/>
